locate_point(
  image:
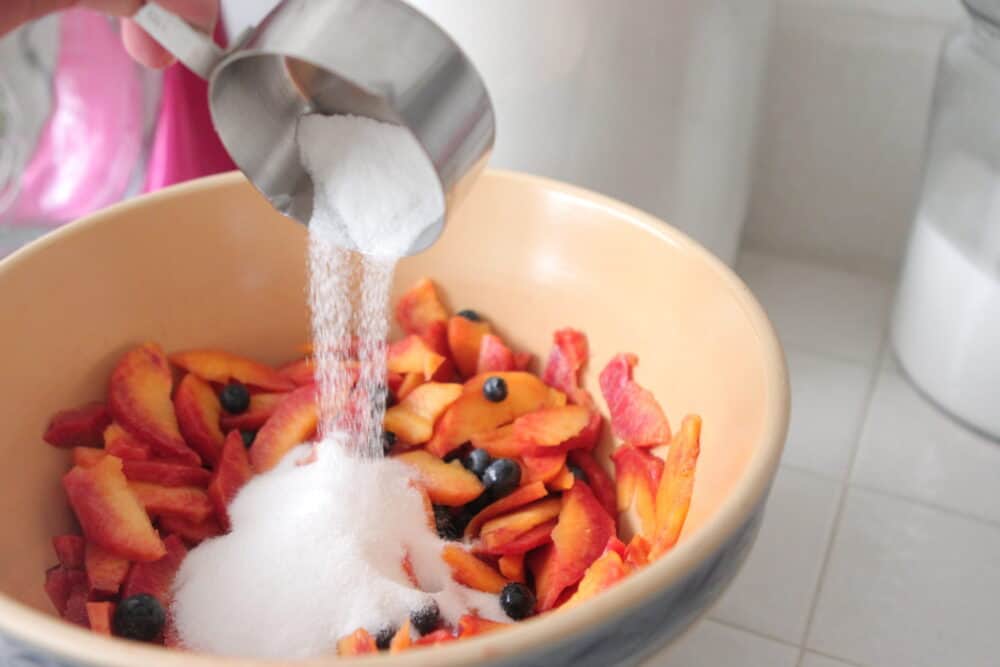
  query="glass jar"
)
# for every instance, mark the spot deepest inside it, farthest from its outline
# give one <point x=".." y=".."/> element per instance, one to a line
<point x="946" y="327"/>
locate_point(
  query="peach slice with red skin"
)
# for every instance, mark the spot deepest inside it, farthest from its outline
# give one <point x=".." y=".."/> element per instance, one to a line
<point x="157" y="578"/>
<point x="165" y="474"/>
<point x="469" y="571"/>
<point x="512" y="567"/>
<point x="506" y="528"/>
<point x="233" y="472"/>
<point x="70" y="550"/>
<point x="410" y="382"/>
<point x="563" y="481"/>
<point x="78" y="427"/>
<point x="501" y="443"/>
<point x="673" y="496"/>
<point x="420" y="307"/>
<point x="470" y="625"/>
<point x="139" y="400"/>
<point x="413" y="355"/>
<point x="358" y="642"/>
<point x="637" y="553"/>
<point x="464" y="340"/>
<point x="637" y="477"/>
<point x="517" y="498"/>
<point x="223" y="367"/>
<point x="62" y="582"/>
<point x="301" y="371"/>
<point x="262" y="406"/>
<point x="186" y="502"/>
<point x="85" y="457"/>
<point x="401" y="641"/>
<point x="636" y="416"/>
<point x="598" y="480"/>
<point x="119" y="442"/>
<point x="565" y="363"/>
<point x="109" y="512"/>
<point x="551" y="427"/>
<point x="190" y="531"/>
<point x="472" y="413"/>
<point x="541" y="467"/>
<point x="75" y="610"/>
<point x="602" y="574"/>
<point x="413" y="418"/>
<point x="293" y="422"/>
<point x="99" y="617"/>
<point x="521" y="544"/>
<point x="441" y="636"/>
<point x="105" y="570"/>
<point x="198" y="411"/>
<point x="494" y="356"/>
<point x="446" y="483"/>
<point x="579" y="538"/>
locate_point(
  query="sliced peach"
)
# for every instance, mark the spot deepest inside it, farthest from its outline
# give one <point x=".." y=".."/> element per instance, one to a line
<point x="262" y="406"/>
<point x="301" y="372"/>
<point x="566" y="361"/>
<point x="494" y="356"/>
<point x="61" y="583"/>
<point x="673" y="496"/>
<point x="86" y="456"/>
<point x="139" y="400"/>
<point x="232" y="473"/>
<point x="99" y="615"/>
<point x="500" y="443"/>
<point x="472" y="413"/>
<point x="441" y="636"/>
<point x="637" y="552"/>
<point x="637" y="477"/>
<point x="69" y="550"/>
<point x="165" y="474"/>
<point x="602" y="574"/>
<point x="358" y="642"/>
<point x="523" y="361"/>
<point x="446" y="483"/>
<point x="190" y="531"/>
<point x="506" y="528"/>
<point x="469" y="571"/>
<point x="410" y="382"/>
<point x="636" y="416"/>
<point x="420" y="307"/>
<point x="413" y="418"/>
<point x="198" y="411"/>
<point x="223" y="367"/>
<point x="105" y="570"/>
<point x="464" y="340"/>
<point x="401" y="641"/>
<point x="579" y="538"/>
<point x="293" y="422"/>
<point x="79" y="427"/>
<point x="512" y="567"/>
<point x="157" y="578"/>
<point x="76" y="607"/>
<point x="533" y="538"/>
<point x="413" y="355"/>
<point x="109" y="513"/>
<point x="186" y="502"/>
<point x="598" y="479"/>
<point x="470" y="625"/>
<point x="542" y="467"/>
<point x="517" y="498"/>
<point x="436" y="337"/>
<point x="563" y="481"/>
<point x="589" y="437"/>
<point x="551" y="427"/>
<point x="119" y="442"/>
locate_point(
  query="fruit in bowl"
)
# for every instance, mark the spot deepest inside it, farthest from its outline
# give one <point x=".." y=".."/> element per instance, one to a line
<point x="533" y="255"/>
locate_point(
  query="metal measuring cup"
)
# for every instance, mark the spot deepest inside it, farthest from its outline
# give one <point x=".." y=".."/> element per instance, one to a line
<point x="381" y="59"/>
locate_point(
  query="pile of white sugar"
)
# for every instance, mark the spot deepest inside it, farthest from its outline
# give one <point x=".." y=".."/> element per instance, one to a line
<point x="316" y="551"/>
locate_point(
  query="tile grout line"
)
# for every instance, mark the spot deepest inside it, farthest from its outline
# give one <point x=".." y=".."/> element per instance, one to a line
<point x="842" y="501"/>
<point x="755" y="633"/>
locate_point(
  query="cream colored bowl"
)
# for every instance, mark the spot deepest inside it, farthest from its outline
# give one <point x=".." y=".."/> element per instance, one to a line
<point x="210" y="264"/>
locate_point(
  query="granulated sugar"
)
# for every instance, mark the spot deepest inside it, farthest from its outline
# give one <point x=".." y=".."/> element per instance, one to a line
<point x="316" y="552"/>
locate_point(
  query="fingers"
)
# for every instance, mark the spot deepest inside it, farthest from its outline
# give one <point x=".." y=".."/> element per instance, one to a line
<point x="203" y="14"/>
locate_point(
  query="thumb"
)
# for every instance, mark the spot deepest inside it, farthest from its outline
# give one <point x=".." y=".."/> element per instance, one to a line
<point x="16" y="12"/>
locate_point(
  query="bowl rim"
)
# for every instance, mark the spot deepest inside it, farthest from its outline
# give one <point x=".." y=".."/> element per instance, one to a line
<point x="46" y="632"/>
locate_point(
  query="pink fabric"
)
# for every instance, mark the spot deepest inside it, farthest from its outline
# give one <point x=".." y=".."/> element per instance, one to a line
<point x="186" y="145"/>
<point x="88" y="151"/>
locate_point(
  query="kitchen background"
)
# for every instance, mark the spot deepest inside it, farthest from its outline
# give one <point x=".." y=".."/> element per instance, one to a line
<point x="883" y="528"/>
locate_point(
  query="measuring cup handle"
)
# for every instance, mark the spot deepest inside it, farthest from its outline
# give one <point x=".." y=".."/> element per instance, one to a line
<point x="191" y="47"/>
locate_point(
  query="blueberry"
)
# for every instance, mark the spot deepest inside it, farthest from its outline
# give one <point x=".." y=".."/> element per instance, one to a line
<point x="248" y="437"/>
<point x="517" y="601"/>
<point x="470" y="315"/>
<point x="140" y="617"/>
<point x="476" y="461"/>
<point x="495" y="389"/>
<point x="426" y="619"/>
<point x="446" y="528"/>
<point x="388" y="442"/>
<point x="235" y="398"/>
<point x="501" y="477"/>
<point x="577" y="472"/>
<point x="384" y="637"/>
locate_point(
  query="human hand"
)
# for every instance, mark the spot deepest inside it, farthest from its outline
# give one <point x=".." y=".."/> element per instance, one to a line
<point x="201" y="13"/>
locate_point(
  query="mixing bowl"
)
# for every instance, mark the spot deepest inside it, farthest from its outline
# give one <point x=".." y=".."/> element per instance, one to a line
<point x="210" y="264"/>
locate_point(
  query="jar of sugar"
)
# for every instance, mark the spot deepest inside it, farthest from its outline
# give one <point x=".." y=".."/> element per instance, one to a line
<point x="946" y="327"/>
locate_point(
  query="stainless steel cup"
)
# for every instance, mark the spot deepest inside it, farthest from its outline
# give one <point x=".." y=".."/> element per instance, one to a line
<point x="376" y="58"/>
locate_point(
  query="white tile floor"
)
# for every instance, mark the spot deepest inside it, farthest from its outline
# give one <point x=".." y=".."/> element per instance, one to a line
<point x="882" y="534"/>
